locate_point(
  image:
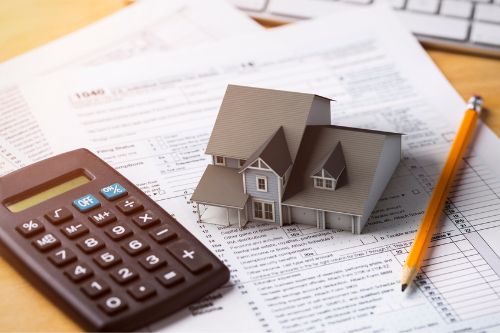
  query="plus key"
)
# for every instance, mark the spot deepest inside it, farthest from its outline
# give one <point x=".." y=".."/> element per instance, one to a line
<point x="194" y="260"/>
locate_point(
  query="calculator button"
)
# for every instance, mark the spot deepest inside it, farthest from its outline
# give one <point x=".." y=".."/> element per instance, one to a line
<point x="151" y="261"/>
<point x="129" y="205"/>
<point x="118" y="231"/>
<point x="74" y="230"/>
<point x="135" y="246"/>
<point x="59" y="215"/>
<point x="194" y="260"/>
<point x="78" y="272"/>
<point x="46" y="242"/>
<point x="30" y="228"/>
<point x="146" y="219"/>
<point x="124" y="275"/>
<point x="113" y="191"/>
<point x="141" y="291"/>
<point x="90" y="244"/>
<point x="62" y="257"/>
<point x="102" y="217"/>
<point x="112" y="304"/>
<point x="86" y="203"/>
<point x="95" y="288"/>
<point x="107" y="259"/>
<point x="170" y="278"/>
<point x="162" y="233"/>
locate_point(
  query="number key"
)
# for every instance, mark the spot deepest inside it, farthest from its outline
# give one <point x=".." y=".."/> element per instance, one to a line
<point x="107" y="259"/>
<point x="129" y="205"/>
<point x="30" y="228"/>
<point x="124" y="275"/>
<point x="74" y="230"/>
<point x="151" y="261"/>
<point x="118" y="231"/>
<point x="112" y="304"/>
<point x="59" y="215"/>
<point x="95" y="288"/>
<point x="90" y="244"/>
<point x="78" y="272"/>
<point x="135" y="246"/>
<point x="62" y="257"/>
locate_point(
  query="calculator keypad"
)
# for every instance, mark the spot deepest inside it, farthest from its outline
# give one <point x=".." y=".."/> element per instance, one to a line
<point x="118" y="231"/>
<point x="141" y="291"/>
<point x="129" y="205"/>
<point x="74" y="230"/>
<point x="102" y="217"/>
<point x="135" y="246"/>
<point x="189" y="256"/>
<point x="46" y="242"/>
<point x="95" y="288"/>
<point x="162" y="234"/>
<point x="170" y="278"/>
<point x="107" y="259"/>
<point x="113" y="304"/>
<point x="90" y="244"/>
<point x="30" y="228"/>
<point x="86" y="203"/>
<point x="124" y="274"/>
<point x="79" y="272"/>
<point x="59" y="215"/>
<point x="62" y="257"/>
<point x="146" y="219"/>
<point x="151" y="261"/>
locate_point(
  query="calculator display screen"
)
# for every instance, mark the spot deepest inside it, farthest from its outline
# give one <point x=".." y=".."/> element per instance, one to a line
<point x="48" y="193"/>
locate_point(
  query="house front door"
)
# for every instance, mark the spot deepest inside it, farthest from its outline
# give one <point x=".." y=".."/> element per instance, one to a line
<point x="263" y="210"/>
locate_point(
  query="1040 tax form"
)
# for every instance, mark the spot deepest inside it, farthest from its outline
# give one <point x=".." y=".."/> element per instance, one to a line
<point x="151" y="119"/>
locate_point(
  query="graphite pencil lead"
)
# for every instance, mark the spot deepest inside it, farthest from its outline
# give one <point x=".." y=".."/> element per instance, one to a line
<point x="403" y="286"/>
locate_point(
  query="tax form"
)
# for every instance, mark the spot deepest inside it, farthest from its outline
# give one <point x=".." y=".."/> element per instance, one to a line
<point x="151" y="118"/>
<point x="148" y="26"/>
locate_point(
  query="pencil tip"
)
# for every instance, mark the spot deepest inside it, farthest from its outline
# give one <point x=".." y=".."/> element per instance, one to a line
<point x="403" y="286"/>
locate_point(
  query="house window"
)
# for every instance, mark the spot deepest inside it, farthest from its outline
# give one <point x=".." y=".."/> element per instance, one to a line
<point x="242" y="162"/>
<point x="261" y="183"/>
<point x="220" y="160"/>
<point x="259" y="164"/>
<point x="263" y="210"/>
<point x="325" y="183"/>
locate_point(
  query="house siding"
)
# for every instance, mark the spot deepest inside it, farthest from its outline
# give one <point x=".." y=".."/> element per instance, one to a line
<point x="272" y="193"/>
<point x="232" y="163"/>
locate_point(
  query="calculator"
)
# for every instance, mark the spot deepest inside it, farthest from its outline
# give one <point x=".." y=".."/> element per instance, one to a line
<point x="98" y="246"/>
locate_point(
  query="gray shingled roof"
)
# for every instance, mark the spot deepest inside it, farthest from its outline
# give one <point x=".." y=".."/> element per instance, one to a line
<point x="249" y="116"/>
<point x="221" y="186"/>
<point x="274" y="151"/>
<point x="333" y="163"/>
<point x="362" y="150"/>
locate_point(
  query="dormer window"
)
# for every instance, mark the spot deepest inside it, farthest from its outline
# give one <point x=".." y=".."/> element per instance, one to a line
<point x="325" y="183"/>
<point x="330" y="173"/>
<point x="220" y="160"/>
<point x="242" y="162"/>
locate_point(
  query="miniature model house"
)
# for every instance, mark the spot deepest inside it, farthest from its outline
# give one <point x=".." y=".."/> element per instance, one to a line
<point x="277" y="158"/>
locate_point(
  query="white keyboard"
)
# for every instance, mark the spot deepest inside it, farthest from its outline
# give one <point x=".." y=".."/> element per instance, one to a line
<point x="465" y="25"/>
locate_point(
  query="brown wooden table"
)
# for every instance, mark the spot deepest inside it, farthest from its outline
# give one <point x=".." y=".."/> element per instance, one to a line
<point x="26" y="24"/>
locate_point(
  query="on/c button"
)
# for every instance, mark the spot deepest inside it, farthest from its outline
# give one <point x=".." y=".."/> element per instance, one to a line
<point x="86" y="203"/>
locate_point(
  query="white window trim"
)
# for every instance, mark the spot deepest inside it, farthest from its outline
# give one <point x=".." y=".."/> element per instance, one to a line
<point x="257" y="183"/>
<point x="223" y="161"/>
<point x="261" y="165"/>
<point x="263" y="210"/>
<point x="334" y="183"/>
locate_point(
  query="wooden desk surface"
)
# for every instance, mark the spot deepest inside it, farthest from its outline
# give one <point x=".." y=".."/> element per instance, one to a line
<point x="26" y="24"/>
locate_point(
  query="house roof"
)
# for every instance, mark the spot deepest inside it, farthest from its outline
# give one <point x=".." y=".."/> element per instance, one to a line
<point x="274" y="151"/>
<point x="249" y="116"/>
<point x="362" y="150"/>
<point x="333" y="163"/>
<point x="221" y="186"/>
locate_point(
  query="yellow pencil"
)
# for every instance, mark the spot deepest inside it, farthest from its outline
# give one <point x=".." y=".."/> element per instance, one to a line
<point x="433" y="213"/>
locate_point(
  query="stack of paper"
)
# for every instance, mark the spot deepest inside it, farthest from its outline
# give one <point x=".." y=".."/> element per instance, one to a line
<point x="150" y="117"/>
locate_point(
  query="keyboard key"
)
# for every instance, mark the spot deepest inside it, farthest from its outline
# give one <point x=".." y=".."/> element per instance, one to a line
<point x="102" y="217"/>
<point x="86" y="203"/>
<point x="74" y="230"/>
<point x="124" y="275"/>
<point x="78" y="272"/>
<point x="46" y="242"/>
<point x="424" y="6"/>
<point x="90" y="244"/>
<point x="59" y="215"/>
<point x="107" y="259"/>
<point x="112" y="305"/>
<point x="162" y="234"/>
<point x="151" y="261"/>
<point x="433" y="25"/>
<point x="145" y="219"/>
<point x="456" y="8"/>
<point x="129" y="205"/>
<point x="194" y="260"/>
<point x="487" y="12"/>
<point x="118" y="231"/>
<point x="113" y="191"/>
<point x="62" y="257"/>
<point x="135" y="246"/>
<point x="253" y="5"/>
<point x="95" y="288"/>
<point x="30" y="228"/>
<point x="485" y="33"/>
<point x="141" y="291"/>
<point x="170" y="278"/>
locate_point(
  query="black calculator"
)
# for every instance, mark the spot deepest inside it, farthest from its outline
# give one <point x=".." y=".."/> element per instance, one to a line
<point x="99" y="247"/>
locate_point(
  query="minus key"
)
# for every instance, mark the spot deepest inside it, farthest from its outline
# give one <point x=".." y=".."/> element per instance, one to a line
<point x="162" y="233"/>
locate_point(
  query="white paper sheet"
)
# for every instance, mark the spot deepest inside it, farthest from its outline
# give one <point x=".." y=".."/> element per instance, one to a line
<point x="148" y="26"/>
<point x="153" y="123"/>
